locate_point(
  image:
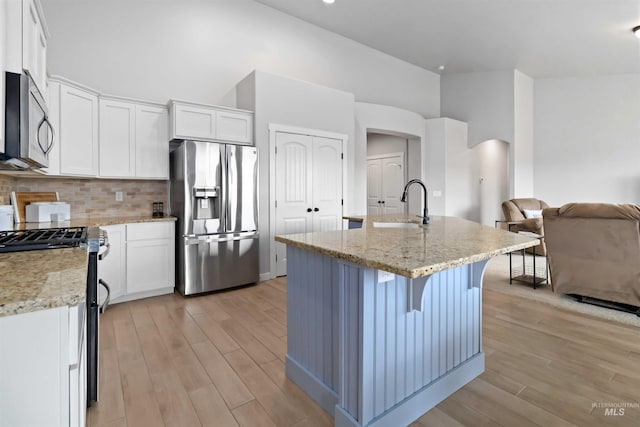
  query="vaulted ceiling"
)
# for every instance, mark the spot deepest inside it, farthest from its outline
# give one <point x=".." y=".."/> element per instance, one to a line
<point x="542" y="38"/>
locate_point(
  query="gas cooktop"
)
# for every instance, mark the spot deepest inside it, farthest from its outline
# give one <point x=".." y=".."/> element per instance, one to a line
<point x="49" y="238"/>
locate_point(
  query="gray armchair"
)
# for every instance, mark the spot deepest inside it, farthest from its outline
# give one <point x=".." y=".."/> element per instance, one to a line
<point x="514" y="211"/>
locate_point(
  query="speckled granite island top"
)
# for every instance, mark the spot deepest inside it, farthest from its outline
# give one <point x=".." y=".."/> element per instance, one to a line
<point x="37" y="280"/>
<point x="444" y="243"/>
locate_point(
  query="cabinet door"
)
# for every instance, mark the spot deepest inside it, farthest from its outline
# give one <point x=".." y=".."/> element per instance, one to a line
<point x="327" y="184"/>
<point x="117" y="138"/>
<point x="192" y="122"/>
<point x="150" y="256"/>
<point x="152" y="142"/>
<point x="111" y="268"/>
<point x="54" y="119"/>
<point x="149" y="265"/>
<point x="34" y="45"/>
<point x="78" y="134"/>
<point x="235" y="127"/>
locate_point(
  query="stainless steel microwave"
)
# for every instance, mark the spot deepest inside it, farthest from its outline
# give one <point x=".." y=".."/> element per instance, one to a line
<point x="28" y="132"/>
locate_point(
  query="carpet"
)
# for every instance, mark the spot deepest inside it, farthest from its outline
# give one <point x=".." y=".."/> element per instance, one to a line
<point x="496" y="278"/>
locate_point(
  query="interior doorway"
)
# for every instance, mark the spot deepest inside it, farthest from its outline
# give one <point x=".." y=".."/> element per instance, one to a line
<point x="392" y="160"/>
<point x="493" y="162"/>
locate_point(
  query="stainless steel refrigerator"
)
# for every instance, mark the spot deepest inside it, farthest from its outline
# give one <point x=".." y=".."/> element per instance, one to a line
<point x="214" y="196"/>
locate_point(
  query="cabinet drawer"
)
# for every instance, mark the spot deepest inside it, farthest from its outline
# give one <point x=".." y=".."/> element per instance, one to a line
<point x="150" y="230"/>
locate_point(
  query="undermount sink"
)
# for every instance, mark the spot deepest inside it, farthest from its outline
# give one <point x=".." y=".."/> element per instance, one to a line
<point x="395" y="225"/>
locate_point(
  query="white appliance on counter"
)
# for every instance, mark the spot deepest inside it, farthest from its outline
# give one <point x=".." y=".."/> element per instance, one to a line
<point x="48" y="212"/>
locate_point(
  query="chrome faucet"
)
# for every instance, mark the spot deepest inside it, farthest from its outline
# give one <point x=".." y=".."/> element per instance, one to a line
<point x="425" y="210"/>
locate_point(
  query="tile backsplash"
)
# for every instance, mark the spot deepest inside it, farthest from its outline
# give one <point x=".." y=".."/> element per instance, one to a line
<point x="93" y="197"/>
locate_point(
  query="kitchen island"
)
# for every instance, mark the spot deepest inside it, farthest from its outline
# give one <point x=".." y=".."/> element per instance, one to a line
<point x="385" y="321"/>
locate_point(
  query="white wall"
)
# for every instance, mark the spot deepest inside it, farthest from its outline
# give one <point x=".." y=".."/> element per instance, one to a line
<point x="198" y="50"/>
<point x="521" y="155"/>
<point x="493" y="179"/>
<point x="483" y="100"/>
<point x="388" y="120"/>
<point x="451" y="168"/>
<point x="282" y="101"/>
<point x="496" y="105"/>
<point x="378" y="143"/>
<point x="587" y="139"/>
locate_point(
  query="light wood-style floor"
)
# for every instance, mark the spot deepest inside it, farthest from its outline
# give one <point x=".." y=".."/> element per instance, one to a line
<point x="218" y="360"/>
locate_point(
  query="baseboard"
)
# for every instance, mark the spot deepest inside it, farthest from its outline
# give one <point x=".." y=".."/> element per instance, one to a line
<point x="316" y="389"/>
<point x="140" y="295"/>
<point x="266" y="276"/>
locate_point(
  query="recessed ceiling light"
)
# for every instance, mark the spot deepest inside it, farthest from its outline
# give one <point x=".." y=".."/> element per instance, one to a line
<point x="440" y="67"/>
<point x="329" y="1"/>
<point x="636" y="31"/>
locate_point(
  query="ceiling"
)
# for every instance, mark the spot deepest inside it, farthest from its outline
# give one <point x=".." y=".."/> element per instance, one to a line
<point x="542" y="38"/>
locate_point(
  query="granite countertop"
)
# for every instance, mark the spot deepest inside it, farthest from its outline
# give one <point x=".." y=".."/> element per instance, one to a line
<point x="37" y="280"/>
<point x="444" y="243"/>
<point x="92" y="222"/>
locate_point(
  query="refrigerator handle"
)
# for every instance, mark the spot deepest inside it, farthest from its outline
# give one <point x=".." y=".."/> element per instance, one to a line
<point x="231" y="184"/>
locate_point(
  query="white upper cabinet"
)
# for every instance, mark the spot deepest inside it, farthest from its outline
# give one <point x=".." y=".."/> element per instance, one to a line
<point x="34" y="43"/>
<point x="77" y="130"/>
<point x="152" y="142"/>
<point x="104" y="136"/>
<point x="235" y="127"/>
<point x="210" y="123"/>
<point x="133" y="139"/>
<point x="117" y="138"/>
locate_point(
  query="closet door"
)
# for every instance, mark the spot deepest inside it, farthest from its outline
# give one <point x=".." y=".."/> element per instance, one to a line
<point x="308" y="181"/>
<point x="374" y="186"/>
<point x="385" y="181"/>
<point x="327" y="184"/>
<point x="294" y="203"/>
<point x="393" y="181"/>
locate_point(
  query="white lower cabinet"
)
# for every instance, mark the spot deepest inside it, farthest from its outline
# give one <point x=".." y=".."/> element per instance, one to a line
<point x="111" y="269"/>
<point x="141" y="260"/>
<point x="43" y="368"/>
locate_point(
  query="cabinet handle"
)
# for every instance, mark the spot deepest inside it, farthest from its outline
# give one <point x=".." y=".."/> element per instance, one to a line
<point x="308" y="209"/>
<point x="50" y="146"/>
<point x="316" y="209"/>
<point x="104" y="305"/>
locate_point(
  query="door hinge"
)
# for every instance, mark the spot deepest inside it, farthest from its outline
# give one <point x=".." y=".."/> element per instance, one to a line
<point x="276" y="257"/>
<point x="276" y="203"/>
<point x="276" y="150"/>
<point x="342" y="155"/>
<point x="342" y="202"/>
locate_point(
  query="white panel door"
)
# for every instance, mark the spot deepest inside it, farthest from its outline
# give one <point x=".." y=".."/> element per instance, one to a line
<point x="327" y="184"/>
<point x="385" y="181"/>
<point x="117" y="138"/>
<point x="374" y="186"/>
<point x="393" y="180"/>
<point x="293" y="182"/>
<point x="78" y="132"/>
<point x="152" y="142"/>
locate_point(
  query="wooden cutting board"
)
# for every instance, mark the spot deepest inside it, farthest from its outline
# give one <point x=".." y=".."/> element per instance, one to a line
<point x="20" y="199"/>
